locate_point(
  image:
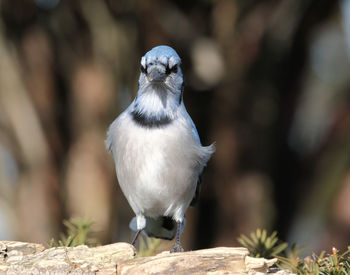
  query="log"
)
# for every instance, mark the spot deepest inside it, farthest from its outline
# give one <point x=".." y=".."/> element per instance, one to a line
<point x="121" y="259"/>
<point x="26" y="258"/>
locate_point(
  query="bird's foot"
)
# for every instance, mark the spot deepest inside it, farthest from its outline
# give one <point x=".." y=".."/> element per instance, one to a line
<point x="177" y="248"/>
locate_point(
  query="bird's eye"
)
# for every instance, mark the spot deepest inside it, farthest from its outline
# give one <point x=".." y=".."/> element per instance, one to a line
<point x="174" y="69"/>
<point x="143" y="69"/>
<point x="171" y="70"/>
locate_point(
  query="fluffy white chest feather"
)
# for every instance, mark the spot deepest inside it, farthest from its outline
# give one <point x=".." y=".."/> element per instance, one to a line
<point x="157" y="168"/>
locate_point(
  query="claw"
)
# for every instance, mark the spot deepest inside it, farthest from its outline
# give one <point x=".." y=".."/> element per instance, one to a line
<point x="177" y="248"/>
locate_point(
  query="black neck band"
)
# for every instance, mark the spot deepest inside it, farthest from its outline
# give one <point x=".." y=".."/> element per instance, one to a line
<point x="150" y="121"/>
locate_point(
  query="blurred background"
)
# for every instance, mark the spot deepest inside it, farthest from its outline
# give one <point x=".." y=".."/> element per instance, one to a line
<point x="268" y="80"/>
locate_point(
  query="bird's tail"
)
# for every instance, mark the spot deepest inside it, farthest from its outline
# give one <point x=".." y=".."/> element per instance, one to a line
<point x="160" y="227"/>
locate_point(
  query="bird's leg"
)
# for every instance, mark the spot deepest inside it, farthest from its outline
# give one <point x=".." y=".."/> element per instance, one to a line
<point x="177" y="246"/>
<point x="140" y="224"/>
<point x="136" y="236"/>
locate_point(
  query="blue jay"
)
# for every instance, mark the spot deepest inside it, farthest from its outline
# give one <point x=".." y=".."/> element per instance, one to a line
<point x="157" y="151"/>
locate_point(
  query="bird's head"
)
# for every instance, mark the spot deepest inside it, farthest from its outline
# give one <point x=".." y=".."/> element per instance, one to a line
<point x="160" y="86"/>
<point x="160" y="68"/>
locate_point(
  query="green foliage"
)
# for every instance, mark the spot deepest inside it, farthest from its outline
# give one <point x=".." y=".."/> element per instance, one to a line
<point x="261" y="245"/>
<point x="324" y="264"/>
<point x="78" y="231"/>
<point x="148" y="246"/>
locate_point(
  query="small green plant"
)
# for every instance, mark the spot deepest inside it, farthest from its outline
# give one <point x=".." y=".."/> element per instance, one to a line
<point x="78" y="231"/>
<point x="324" y="264"/>
<point x="148" y="246"/>
<point x="261" y="245"/>
<point x="291" y="261"/>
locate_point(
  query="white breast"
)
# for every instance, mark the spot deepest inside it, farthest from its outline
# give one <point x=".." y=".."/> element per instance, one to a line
<point x="157" y="168"/>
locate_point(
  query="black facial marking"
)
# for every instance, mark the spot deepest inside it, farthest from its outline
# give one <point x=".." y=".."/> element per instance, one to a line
<point x="143" y="69"/>
<point x="174" y="69"/>
<point x="167" y="70"/>
<point x="150" y="121"/>
<point x="171" y="70"/>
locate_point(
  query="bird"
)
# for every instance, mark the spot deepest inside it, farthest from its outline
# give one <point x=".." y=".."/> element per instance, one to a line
<point x="158" y="155"/>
